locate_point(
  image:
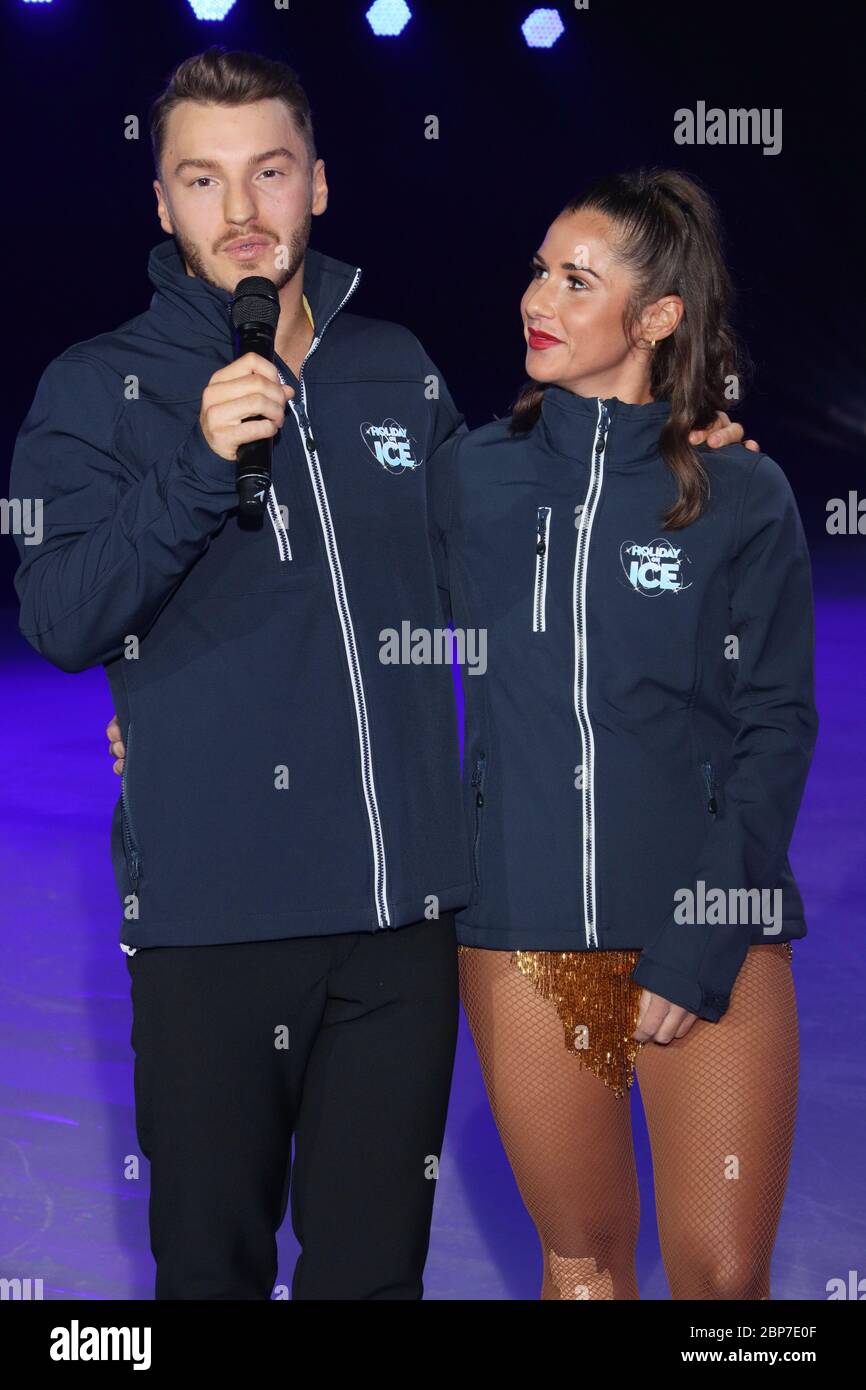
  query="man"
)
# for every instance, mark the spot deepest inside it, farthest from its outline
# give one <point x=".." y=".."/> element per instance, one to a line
<point x="288" y="874"/>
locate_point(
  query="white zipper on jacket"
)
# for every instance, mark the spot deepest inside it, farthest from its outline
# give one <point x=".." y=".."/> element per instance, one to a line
<point x="581" y="706"/>
<point x="542" y="539"/>
<point x="280" y="531"/>
<point x="380" y="870"/>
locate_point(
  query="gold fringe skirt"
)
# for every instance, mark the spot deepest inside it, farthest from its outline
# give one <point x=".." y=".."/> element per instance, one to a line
<point x="598" y="1004"/>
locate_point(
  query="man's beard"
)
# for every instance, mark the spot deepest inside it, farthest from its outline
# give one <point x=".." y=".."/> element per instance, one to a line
<point x="297" y="249"/>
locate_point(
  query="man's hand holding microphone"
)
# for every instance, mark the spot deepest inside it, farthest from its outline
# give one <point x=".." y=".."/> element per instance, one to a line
<point x="248" y="387"/>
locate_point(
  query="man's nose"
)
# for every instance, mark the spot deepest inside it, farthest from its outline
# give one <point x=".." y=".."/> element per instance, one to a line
<point x="239" y="205"/>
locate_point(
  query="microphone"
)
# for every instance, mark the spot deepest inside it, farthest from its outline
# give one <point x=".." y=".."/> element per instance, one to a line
<point x="254" y="313"/>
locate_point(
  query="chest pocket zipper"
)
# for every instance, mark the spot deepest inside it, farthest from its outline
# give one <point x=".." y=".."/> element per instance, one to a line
<point x="542" y="542"/>
<point x="478" y="783"/>
<point x="133" y="857"/>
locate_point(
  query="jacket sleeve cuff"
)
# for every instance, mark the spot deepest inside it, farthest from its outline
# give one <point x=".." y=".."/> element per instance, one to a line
<point x="679" y="989"/>
<point x="206" y="465"/>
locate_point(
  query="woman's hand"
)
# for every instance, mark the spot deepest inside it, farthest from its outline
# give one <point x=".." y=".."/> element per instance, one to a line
<point x="115" y="746"/>
<point x="660" y="1021"/>
<point x="722" y="431"/>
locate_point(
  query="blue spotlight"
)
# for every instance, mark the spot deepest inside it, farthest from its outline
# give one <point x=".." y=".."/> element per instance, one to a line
<point x="388" y="17"/>
<point x="211" y="9"/>
<point x="542" y="28"/>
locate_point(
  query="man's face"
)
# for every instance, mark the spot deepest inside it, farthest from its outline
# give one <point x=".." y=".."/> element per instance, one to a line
<point x="236" y="191"/>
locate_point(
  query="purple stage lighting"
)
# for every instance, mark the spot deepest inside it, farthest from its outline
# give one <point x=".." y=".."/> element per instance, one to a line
<point x="542" y="28"/>
<point x="388" y="17"/>
<point x="211" y="9"/>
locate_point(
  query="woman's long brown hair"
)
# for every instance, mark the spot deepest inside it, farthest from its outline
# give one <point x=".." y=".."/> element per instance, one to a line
<point x="667" y="233"/>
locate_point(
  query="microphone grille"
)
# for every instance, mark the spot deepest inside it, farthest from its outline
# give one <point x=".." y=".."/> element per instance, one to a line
<point x="256" y="301"/>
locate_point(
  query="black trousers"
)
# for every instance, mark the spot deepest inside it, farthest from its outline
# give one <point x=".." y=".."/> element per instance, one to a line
<point x="346" y="1042"/>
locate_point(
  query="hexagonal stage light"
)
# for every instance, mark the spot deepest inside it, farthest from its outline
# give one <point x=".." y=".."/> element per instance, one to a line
<point x="387" y="18"/>
<point x="211" y="9"/>
<point x="542" y="28"/>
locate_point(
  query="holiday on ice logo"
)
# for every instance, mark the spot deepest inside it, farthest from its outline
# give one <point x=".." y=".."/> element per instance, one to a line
<point x="391" y="445"/>
<point x="655" y="568"/>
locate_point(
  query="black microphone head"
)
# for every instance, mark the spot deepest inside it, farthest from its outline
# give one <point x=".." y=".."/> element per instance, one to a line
<point x="256" y="300"/>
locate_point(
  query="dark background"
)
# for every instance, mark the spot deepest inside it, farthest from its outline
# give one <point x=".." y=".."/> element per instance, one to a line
<point x="443" y="229"/>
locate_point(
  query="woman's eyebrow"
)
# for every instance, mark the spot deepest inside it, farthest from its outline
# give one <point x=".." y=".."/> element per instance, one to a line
<point x="567" y="265"/>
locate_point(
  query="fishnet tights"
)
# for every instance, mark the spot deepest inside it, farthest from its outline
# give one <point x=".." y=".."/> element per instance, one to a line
<point x="720" y="1105"/>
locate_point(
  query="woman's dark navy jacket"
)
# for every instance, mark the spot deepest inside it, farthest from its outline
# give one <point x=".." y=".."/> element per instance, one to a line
<point x="646" y="720"/>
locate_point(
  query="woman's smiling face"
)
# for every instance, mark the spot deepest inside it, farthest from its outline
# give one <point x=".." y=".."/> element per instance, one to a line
<point x="578" y="296"/>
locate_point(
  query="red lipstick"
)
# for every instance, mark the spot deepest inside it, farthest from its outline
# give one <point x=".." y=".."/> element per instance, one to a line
<point x="538" y="341"/>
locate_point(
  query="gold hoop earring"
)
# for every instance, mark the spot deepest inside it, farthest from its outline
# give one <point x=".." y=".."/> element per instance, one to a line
<point x="652" y="342"/>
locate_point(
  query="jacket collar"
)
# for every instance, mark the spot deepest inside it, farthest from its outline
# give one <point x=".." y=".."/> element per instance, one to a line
<point x="206" y="309"/>
<point x="568" y="422"/>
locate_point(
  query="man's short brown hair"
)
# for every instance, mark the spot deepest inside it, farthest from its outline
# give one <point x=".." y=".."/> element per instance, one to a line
<point x="231" y="79"/>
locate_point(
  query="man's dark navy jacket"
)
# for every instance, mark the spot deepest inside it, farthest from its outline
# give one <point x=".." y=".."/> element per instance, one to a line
<point x="280" y="780"/>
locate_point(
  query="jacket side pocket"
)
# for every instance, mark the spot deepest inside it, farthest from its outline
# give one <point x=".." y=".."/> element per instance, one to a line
<point x="708" y="778"/>
<point x="542" y="543"/>
<point x="478" y="774"/>
<point x="130" y="841"/>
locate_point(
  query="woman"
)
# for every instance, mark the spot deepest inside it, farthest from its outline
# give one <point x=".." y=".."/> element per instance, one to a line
<point x="635" y="758"/>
